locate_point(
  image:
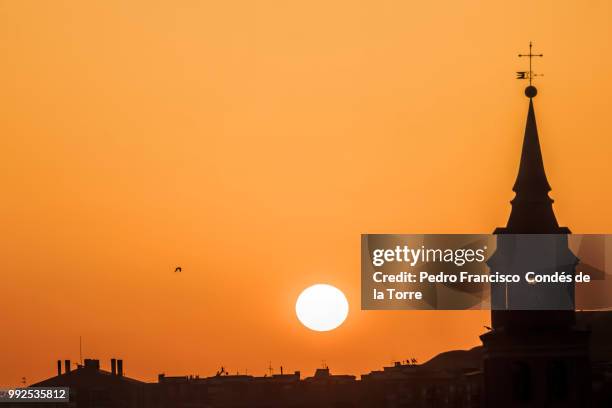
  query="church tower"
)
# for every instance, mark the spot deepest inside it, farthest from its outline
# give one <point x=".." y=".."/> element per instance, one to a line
<point x="534" y="356"/>
<point x="532" y="240"/>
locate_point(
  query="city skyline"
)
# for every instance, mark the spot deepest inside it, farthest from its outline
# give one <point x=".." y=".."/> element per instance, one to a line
<point x="252" y="150"/>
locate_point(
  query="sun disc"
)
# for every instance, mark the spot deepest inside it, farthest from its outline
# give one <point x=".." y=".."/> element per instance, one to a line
<point x="321" y="307"/>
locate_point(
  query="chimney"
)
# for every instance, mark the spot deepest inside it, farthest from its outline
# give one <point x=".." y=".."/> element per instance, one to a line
<point x="67" y="366"/>
<point x="113" y="366"/>
<point x="120" y="368"/>
<point x="59" y="367"/>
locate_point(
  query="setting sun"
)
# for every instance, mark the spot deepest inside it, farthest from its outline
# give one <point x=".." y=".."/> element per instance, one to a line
<point x="321" y="307"/>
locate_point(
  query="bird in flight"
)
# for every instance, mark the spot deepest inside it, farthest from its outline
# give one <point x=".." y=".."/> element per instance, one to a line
<point x="178" y="269"/>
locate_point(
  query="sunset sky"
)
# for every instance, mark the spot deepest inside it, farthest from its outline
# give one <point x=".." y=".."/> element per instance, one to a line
<point x="251" y="143"/>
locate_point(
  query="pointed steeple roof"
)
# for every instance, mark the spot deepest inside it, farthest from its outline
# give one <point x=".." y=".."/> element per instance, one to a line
<point x="532" y="211"/>
<point x="531" y="178"/>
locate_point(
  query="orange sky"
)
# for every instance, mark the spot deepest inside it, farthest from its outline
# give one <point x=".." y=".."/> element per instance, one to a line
<point x="252" y="143"/>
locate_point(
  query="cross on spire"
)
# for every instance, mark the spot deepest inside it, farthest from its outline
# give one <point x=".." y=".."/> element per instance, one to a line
<point x="528" y="74"/>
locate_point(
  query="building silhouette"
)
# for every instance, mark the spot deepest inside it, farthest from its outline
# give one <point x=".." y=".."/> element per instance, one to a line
<point x="91" y="386"/>
<point x="534" y="357"/>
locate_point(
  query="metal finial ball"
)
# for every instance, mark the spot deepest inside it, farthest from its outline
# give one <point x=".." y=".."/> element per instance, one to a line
<point x="531" y="91"/>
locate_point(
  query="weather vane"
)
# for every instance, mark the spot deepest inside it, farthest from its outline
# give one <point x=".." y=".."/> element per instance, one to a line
<point x="528" y="74"/>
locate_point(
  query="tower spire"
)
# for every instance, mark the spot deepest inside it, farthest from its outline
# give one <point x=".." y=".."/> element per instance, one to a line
<point x="531" y="180"/>
<point x="532" y="211"/>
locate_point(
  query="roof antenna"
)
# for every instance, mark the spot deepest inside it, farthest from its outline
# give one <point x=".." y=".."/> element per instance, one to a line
<point x="80" y="350"/>
<point x="270" y="369"/>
